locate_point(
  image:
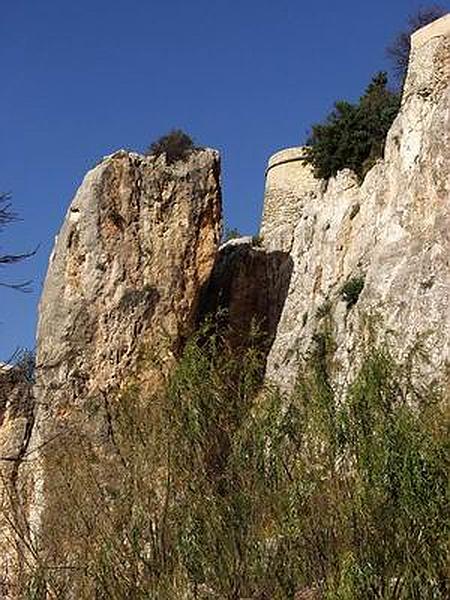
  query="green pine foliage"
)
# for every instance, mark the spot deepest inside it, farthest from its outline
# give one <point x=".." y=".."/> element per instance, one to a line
<point x="353" y="135"/>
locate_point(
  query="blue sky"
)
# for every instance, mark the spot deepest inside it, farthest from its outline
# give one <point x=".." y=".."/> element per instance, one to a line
<point x="81" y="79"/>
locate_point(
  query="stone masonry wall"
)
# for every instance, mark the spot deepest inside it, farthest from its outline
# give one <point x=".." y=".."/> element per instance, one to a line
<point x="290" y="184"/>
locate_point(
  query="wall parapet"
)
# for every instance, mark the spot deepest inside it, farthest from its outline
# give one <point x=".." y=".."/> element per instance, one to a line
<point x="285" y="156"/>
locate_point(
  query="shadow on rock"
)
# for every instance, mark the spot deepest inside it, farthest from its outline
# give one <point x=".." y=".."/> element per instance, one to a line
<point x="247" y="288"/>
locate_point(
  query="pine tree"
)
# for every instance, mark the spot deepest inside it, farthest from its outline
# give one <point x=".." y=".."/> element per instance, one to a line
<point x="353" y="135"/>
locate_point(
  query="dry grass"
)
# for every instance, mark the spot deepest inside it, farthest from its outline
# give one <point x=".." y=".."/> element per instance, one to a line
<point x="218" y="489"/>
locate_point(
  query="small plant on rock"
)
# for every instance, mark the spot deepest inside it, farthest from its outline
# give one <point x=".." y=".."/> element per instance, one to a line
<point x="231" y="234"/>
<point x="351" y="290"/>
<point x="176" y="145"/>
<point x="323" y="310"/>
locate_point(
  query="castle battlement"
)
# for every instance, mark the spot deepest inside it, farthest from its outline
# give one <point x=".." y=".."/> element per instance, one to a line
<point x="429" y="65"/>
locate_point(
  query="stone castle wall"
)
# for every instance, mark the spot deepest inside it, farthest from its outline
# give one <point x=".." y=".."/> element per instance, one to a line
<point x="392" y="231"/>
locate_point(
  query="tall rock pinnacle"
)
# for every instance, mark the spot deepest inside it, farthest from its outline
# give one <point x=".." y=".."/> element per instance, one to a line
<point x="124" y="280"/>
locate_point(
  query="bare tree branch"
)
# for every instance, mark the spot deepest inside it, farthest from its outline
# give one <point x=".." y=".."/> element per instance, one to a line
<point x="7" y="216"/>
<point x="398" y="52"/>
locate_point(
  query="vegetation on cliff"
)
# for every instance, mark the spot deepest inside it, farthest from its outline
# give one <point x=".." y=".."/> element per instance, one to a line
<point x="353" y="135"/>
<point x="218" y="488"/>
<point x="176" y="145"/>
<point x="215" y="485"/>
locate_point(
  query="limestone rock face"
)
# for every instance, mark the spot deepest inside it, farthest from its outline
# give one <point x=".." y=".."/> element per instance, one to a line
<point x="137" y="245"/>
<point x="16" y="414"/>
<point x="392" y="233"/>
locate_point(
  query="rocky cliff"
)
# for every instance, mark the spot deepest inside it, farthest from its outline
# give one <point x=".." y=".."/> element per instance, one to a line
<point x="373" y="259"/>
<point x="138" y="243"/>
<point x="124" y="280"/>
<point x="136" y="267"/>
<point x="247" y="291"/>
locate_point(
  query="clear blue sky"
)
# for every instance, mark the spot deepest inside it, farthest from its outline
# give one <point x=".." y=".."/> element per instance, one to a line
<point x="81" y="79"/>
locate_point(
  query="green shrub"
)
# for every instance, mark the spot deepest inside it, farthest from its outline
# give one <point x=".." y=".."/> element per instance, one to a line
<point x="218" y="488"/>
<point x="353" y="135"/>
<point x="351" y="290"/>
<point x="176" y="145"/>
<point x="324" y="309"/>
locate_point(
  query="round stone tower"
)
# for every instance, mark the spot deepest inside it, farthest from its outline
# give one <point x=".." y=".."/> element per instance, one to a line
<point x="290" y="183"/>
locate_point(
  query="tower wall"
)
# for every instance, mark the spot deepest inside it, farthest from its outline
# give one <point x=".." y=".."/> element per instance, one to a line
<point x="290" y="183"/>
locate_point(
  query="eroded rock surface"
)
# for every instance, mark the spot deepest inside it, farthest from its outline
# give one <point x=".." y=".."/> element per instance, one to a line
<point x="138" y="243"/>
<point x="392" y="233"/>
<point x="133" y="261"/>
<point x="137" y="246"/>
